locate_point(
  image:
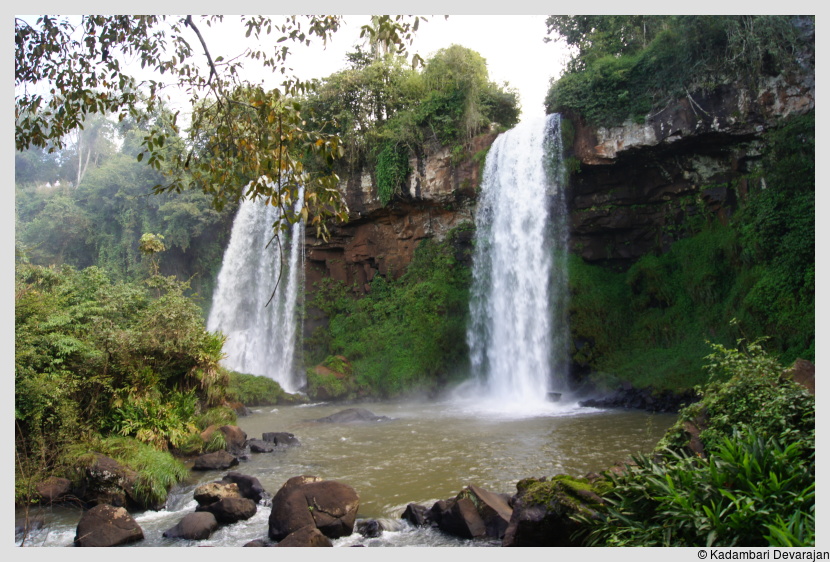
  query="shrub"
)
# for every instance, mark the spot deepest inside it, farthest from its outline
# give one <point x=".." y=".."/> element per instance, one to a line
<point x="753" y="486"/>
<point x="256" y="390"/>
<point x="404" y="335"/>
<point x="752" y="491"/>
<point x="748" y="390"/>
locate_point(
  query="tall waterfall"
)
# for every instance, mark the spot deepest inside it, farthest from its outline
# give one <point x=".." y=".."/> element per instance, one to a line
<point x="260" y="338"/>
<point x="518" y="334"/>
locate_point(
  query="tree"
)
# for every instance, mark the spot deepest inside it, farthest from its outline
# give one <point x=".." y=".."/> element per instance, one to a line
<point x="240" y="133"/>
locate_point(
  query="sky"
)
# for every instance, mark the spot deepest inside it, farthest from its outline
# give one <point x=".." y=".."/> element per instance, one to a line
<point x="513" y="46"/>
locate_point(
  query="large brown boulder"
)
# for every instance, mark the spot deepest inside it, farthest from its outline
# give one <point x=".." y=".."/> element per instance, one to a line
<point x="106" y="481"/>
<point x="105" y="525"/>
<point x="249" y="486"/>
<point x="542" y="511"/>
<point x="328" y="505"/>
<point x="461" y="519"/>
<point x="493" y="509"/>
<point x="307" y="536"/>
<point x="219" y="460"/>
<point x="53" y="489"/>
<point x="194" y="526"/>
<point x="417" y="514"/>
<point x="281" y="438"/>
<point x="230" y="510"/>
<point x="212" y="492"/>
<point x="235" y="439"/>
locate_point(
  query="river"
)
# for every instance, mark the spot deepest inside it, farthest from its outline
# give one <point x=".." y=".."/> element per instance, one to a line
<point x="427" y="451"/>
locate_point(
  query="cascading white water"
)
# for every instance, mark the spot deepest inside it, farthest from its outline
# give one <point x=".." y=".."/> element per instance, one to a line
<point x="518" y="325"/>
<point x="260" y="338"/>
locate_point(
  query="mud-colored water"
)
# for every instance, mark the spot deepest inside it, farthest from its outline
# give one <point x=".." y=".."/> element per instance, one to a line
<point x="425" y="452"/>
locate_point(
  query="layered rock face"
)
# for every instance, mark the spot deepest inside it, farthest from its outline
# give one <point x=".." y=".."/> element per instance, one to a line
<point x="440" y="195"/>
<point x="636" y="191"/>
<point x="640" y="184"/>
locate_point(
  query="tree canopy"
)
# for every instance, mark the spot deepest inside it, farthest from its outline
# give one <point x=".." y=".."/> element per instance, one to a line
<point x="240" y="132"/>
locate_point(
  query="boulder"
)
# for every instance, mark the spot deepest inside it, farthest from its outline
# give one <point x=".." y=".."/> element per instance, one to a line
<point x="328" y="505"/>
<point x="461" y="519"/>
<point x="249" y="486"/>
<point x="105" y="525"/>
<point x="492" y="508"/>
<point x="106" y="481"/>
<point x="235" y="439"/>
<point x="352" y="415"/>
<point x="255" y="542"/>
<point x="25" y="525"/>
<point x="804" y="373"/>
<point x="306" y="536"/>
<point x="194" y="526"/>
<point x="53" y="489"/>
<point x="417" y="514"/>
<point x="369" y="528"/>
<point x="212" y="492"/>
<point x="542" y="510"/>
<point x="281" y="438"/>
<point x="219" y="460"/>
<point x="230" y="510"/>
<point x="260" y="446"/>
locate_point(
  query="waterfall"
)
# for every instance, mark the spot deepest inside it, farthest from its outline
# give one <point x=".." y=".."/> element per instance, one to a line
<point x="260" y="339"/>
<point x="518" y="335"/>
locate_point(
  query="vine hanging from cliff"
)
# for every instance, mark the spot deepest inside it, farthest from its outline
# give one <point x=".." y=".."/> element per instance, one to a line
<point x="392" y="169"/>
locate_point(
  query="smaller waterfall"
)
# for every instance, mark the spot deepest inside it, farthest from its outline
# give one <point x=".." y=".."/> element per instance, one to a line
<point x="518" y="326"/>
<point x="260" y="338"/>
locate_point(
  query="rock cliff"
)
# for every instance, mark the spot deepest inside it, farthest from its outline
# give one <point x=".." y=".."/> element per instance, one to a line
<point x="439" y="195"/>
<point x="638" y="188"/>
<point x="638" y="185"/>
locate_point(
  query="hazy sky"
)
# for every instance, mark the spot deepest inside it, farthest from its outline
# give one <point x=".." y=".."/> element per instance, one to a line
<point x="512" y="45"/>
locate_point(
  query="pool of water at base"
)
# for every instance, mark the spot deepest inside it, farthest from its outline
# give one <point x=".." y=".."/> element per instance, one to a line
<point x="424" y="452"/>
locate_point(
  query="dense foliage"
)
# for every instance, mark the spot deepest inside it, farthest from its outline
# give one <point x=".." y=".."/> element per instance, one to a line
<point x="95" y="358"/>
<point x="385" y="112"/>
<point x="405" y="335"/>
<point x="753" y="486"/>
<point x="759" y="270"/>
<point x="100" y="220"/>
<point x="255" y="390"/>
<point x="626" y="66"/>
<point x="67" y="68"/>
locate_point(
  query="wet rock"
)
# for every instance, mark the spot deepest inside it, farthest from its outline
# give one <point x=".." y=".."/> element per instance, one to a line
<point x="26" y="525"/>
<point x="53" y="489"/>
<point x="105" y="525"/>
<point x="219" y="460"/>
<point x="281" y="438"/>
<point x="230" y="510"/>
<point x="260" y="446"/>
<point x="369" y="528"/>
<point x="193" y="526"/>
<point x="352" y="415"/>
<point x="542" y="510"/>
<point x="328" y="505"/>
<point x="249" y="486"/>
<point x="212" y="492"/>
<point x="255" y="542"/>
<point x="416" y="514"/>
<point x="106" y="481"/>
<point x="646" y="398"/>
<point x="306" y="536"/>
<point x="492" y="508"/>
<point x="235" y="439"/>
<point x="462" y="520"/>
